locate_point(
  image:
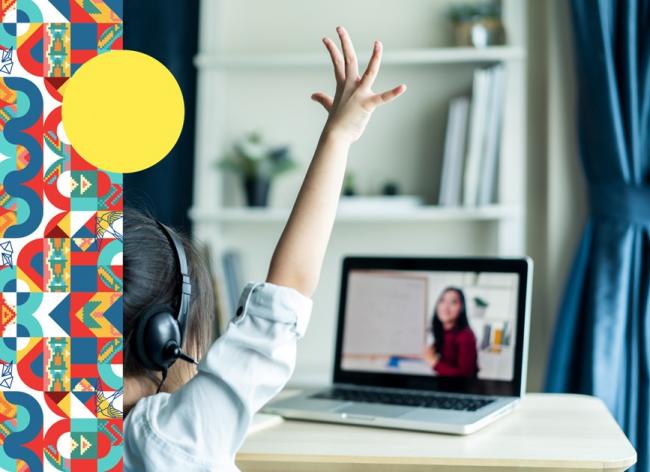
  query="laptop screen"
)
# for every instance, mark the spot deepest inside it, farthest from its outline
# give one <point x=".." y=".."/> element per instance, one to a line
<point x="458" y="328"/>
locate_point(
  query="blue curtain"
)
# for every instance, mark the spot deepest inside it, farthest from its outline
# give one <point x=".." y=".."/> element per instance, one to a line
<point x="602" y="336"/>
<point x="168" y="31"/>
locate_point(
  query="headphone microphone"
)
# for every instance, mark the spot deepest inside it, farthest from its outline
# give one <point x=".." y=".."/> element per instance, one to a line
<point x="160" y="330"/>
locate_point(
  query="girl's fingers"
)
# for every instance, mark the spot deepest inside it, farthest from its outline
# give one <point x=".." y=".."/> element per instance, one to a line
<point x="388" y="96"/>
<point x="373" y="66"/>
<point x="337" y="60"/>
<point x="351" y="68"/>
<point x="323" y="99"/>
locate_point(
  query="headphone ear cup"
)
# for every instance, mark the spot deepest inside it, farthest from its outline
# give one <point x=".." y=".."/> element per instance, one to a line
<point x="157" y="330"/>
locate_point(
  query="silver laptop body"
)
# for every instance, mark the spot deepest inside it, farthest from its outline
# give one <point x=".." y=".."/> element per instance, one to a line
<point x="388" y="312"/>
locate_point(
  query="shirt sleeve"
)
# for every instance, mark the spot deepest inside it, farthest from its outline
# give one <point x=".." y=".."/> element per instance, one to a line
<point x="204" y="422"/>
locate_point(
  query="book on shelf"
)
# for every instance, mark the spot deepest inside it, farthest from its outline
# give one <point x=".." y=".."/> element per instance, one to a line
<point x="454" y="153"/>
<point x="496" y="336"/>
<point x="477" y="122"/>
<point x="488" y="175"/>
<point x="483" y="139"/>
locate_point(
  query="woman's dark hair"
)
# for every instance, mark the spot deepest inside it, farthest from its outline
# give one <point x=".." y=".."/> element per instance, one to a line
<point x="436" y="324"/>
<point x="152" y="276"/>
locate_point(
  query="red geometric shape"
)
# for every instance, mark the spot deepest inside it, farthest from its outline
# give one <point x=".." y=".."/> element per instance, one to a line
<point x="79" y="56"/>
<point x="27" y="256"/>
<point x="84" y="370"/>
<point x="54" y="85"/>
<point x="52" y="399"/>
<point x="79" y="163"/>
<point x="27" y="50"/>
<point x="5" y="6"/>
<point x="30" y="361"/>
<point x="78" y="14"/>
<point x="87" y="258"/>
<point x="7" y="314"/>
<point x="55" y="228"/>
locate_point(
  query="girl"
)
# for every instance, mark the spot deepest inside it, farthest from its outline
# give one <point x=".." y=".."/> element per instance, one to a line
<point x="199" y="419"/>
<point x="453" y="352"/>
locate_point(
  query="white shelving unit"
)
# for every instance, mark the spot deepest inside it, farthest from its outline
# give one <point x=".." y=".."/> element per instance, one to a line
<point x="423" y="214"/>
<point x="423" y="56"/>
<point x="257" y="68"/>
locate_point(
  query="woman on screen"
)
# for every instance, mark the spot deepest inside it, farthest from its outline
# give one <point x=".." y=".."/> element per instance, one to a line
<point x="453" y="352"/>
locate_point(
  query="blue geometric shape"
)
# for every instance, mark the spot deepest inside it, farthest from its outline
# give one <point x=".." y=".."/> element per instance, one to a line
<point x="73" y="68"/>
<point x="10" y="28"/>
<point x="116" y="6"/>
<point x="22" y="17"/>
<point x="83" y="232"/>
<point x="36" y="263"/>
<point x="84" y="396"/>
<point x="22" y="331"/>
<point x="37" y="52"/>
<point x="83" y="278"/>
<point x="10" y="286"/>
<point x="61" y="314"/>
<point x="37" y="366"/>
<point x="83" y="350"/>
<point x="114" y="315"/>
<point x="83" y="36"/>
<point x="63" y="6"/>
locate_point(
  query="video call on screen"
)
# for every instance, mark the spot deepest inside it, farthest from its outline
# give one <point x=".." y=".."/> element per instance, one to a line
<point x="448" y="324"/>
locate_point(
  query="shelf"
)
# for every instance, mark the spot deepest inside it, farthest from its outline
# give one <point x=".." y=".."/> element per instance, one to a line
<point x="418" y="214"/>
<point x="450" y="55"/>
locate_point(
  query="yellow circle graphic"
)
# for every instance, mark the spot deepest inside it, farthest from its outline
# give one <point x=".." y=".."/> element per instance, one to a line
<point x="123" y="111"/>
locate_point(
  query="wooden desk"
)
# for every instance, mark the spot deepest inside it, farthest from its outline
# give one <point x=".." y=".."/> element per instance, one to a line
<point x="546" y="432"/>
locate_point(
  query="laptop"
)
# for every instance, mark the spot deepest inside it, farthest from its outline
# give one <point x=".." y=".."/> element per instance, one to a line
<point x="426" y="344"/>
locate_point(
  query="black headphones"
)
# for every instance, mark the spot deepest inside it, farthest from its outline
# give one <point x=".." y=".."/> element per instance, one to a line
<point x="159" y="333"/>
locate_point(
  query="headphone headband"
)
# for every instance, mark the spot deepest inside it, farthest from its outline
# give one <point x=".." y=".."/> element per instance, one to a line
<point x="186" y="284"/>
<point x="159" y="334"/>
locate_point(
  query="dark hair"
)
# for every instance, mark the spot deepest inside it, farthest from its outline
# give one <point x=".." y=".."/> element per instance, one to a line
<point x="152" y="276"/>
<point x="436" y="324"/>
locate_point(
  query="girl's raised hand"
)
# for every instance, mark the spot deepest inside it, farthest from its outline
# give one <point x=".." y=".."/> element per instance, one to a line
<point x="354" y="100"/>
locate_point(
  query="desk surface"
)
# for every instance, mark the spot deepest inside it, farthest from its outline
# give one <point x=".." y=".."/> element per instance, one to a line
<point x="546" y="432"/>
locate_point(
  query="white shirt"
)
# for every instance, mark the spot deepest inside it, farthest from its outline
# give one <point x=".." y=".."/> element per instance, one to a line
<point x="201" y="426"/>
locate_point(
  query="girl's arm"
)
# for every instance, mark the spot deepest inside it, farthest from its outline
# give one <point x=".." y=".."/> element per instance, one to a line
<point x="299" y="254"/>
<point x="202" y="424"/>
<point x="430" y="356"/>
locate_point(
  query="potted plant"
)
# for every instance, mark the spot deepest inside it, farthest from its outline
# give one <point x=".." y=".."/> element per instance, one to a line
<point x="257" y="163"/>
<point x="477" y="24"/>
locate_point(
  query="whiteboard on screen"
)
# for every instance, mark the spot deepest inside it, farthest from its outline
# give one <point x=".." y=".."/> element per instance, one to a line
<point x="385" y="314"/>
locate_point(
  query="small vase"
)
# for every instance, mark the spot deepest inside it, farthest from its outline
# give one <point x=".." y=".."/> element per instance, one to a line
<point x="257" y="191"/>
<point x="479" y="32"/>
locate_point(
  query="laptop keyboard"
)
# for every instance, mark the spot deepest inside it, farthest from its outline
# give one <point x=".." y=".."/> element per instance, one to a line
<point x="444" y="402"/>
